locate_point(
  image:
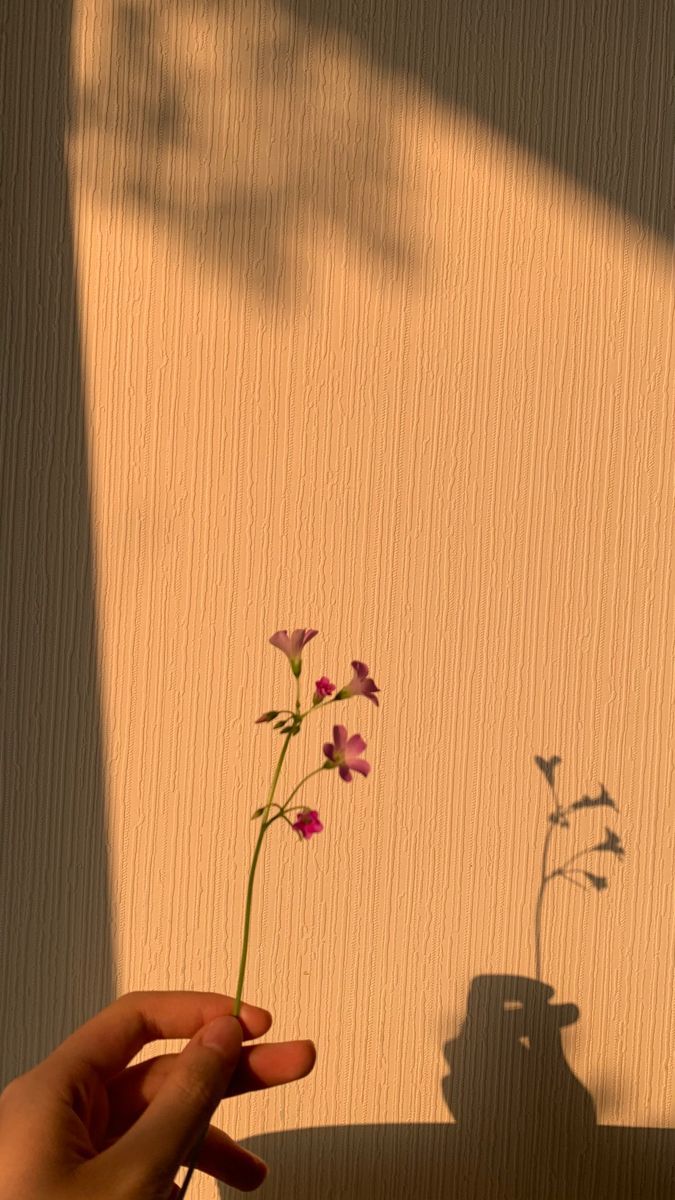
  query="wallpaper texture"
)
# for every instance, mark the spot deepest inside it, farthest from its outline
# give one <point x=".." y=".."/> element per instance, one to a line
<point x="356" y="317"/>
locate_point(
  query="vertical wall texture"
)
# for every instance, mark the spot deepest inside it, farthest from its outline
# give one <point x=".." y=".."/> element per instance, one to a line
<point x="56" y="963"/>
<point x="376" y="323"/>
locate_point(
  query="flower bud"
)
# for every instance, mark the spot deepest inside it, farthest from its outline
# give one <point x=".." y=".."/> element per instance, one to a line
<point x="267" y="716"/>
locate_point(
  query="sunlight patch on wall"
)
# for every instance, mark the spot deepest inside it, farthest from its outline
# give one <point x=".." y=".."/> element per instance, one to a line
<point x="353" y="357"/>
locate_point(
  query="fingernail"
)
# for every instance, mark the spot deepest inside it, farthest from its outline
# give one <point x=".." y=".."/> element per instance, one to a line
<point x="221" y="1034"/>
<point x="263" y="1171"/>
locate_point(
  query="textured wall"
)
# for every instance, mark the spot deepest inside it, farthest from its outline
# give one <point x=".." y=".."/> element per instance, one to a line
<point x="372" y="331"/>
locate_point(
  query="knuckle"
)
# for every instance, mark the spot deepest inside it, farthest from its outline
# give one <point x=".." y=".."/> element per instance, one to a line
<point x="130" y="998"/>
<point x="7" y="1094"/>
<point x="14" y="1090"/>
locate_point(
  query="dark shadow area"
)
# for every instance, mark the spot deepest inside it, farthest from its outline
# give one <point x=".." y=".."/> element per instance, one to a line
<point x="56" y="966"/>
<point x="139" y="106"/>
<point x="583" y="85"/>
<point x="525" y="1125"/>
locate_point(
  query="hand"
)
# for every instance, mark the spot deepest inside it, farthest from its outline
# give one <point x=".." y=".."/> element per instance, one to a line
<point x="82" y="1125"/>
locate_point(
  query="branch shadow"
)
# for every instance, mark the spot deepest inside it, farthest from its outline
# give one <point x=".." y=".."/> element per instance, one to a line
<point x="56" y="960"/>
<point x="245" y="217"/>
<point x="581" y="87"/>
<point x="585" y="86"/>
<point x="525" y="1126"/>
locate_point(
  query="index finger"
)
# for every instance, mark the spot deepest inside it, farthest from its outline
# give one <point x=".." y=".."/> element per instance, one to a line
<point x="109" y="1040"/>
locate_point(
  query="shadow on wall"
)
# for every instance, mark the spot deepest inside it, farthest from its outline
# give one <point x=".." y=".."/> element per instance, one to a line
<point x="157" y="118"/>
<point x="525" y="1125"/>
<point x="55" y="955"/>
<point x="583" y="85"/>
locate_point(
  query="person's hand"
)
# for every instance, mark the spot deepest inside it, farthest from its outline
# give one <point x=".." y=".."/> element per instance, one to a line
<point x="82" y="1125"/>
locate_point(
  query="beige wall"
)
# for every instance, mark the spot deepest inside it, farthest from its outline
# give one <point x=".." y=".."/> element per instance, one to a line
<point x="357" y="355"/>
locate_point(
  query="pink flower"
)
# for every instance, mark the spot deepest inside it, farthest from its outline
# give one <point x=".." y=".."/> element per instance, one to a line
<point x="307" y="823"/>
<point x="324" y="687"/>
<point x="360" y="684"/>
<point x="292" y="645"/>
<point x="344" y="753"/>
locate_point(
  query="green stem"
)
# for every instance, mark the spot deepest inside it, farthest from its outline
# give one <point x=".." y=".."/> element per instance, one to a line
<point x="249" y="891"/>
<point x="247" y="922"/>
<point x="283" y="809"/>
<point x="281" y="814"/>
<point x="296" y="789"/>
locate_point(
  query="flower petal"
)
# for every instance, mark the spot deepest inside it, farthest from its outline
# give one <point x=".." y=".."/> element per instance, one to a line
<point x="329" y="750"/>
<point x="356" y="744"/>
<point x="295" y="642"/>
<point x="360" y="765"/>
<point x="281" y="640"/>
<point x="339" y="736"/>
<point x="345" y="773"/>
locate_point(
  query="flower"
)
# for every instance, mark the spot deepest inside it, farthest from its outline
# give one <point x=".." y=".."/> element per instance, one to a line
<point x="324" y="687"/>
<point x="292" y="645"/>
<point x="360" y="684"/>
<point x="307" y="823"/>
<point x="343" y="752"/>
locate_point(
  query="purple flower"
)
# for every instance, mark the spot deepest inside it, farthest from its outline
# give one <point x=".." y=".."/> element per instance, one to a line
<point x="292" y="645"/>
<point x="307" y="823"/>
<point x="360" y="684"/>
<point x="344" y="753"/>
<point x="324" y="687"/>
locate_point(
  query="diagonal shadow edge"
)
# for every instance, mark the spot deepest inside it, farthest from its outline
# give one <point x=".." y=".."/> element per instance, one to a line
<point x="584" y="87"/>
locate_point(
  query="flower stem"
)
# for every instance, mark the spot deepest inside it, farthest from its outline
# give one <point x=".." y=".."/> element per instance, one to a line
<point x="299" y="785"/>
<point x="242" y="964"/>
<point x="283" y="809"/>
<point x="251" y="876"/>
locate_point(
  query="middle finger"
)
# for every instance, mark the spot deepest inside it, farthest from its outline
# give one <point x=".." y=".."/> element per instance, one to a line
<point x="261" y="1066"/>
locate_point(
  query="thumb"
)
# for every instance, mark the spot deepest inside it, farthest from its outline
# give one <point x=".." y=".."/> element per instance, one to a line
<point x="173" y="1123"/>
